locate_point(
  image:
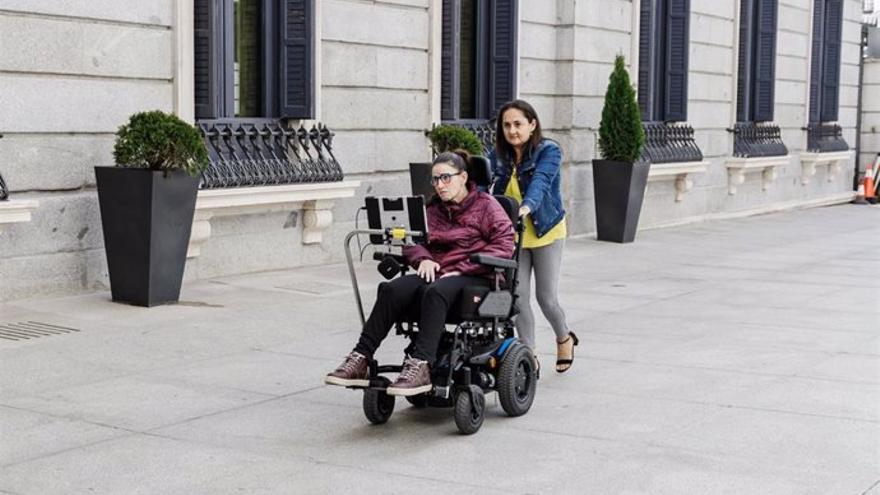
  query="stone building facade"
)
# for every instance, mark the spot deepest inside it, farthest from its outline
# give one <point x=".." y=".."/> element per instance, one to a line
<point x="72" y="71"/>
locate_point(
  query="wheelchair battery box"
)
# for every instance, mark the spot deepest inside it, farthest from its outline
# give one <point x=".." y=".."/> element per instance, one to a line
<point x="496" y="304"/>
<point x="481" y="302"/>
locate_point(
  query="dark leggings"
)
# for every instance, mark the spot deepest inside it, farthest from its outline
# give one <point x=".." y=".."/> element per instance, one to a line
<point x="426" y="303"/>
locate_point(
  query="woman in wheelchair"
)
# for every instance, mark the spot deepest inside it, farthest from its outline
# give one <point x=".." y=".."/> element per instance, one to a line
<point x="461" y="221"/>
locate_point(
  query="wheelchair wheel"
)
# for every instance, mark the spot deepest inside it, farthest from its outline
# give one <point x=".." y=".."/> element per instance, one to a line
<point x="418" y="401"/>
<point x="517" y="380"/>
<point x="469" y="412"/>
<point x="378" y="405"/>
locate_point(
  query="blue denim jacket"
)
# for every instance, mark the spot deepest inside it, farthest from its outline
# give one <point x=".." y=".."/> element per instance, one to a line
<point x="540" y="180"/>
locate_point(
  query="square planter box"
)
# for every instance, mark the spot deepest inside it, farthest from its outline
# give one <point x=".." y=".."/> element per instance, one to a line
<point x="618" y="190"/>
<point x="146" y="217"/>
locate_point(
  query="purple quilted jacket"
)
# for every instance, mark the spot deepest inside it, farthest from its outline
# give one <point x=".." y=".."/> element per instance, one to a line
<point x="477" y="225"/>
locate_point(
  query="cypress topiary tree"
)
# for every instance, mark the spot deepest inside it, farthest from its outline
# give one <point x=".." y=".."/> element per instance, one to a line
<point x="621" y="135"/>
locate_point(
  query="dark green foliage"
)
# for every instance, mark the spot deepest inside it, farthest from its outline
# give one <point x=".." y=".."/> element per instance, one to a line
<point x="160" y="141"/>
<point x="449" y="137"/>
<point x="620" y="133"/>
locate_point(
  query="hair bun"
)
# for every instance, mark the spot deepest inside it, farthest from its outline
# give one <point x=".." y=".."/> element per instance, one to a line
<point x="463" y="154"/>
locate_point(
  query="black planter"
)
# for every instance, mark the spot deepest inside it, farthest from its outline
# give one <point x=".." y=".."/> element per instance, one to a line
<point x="147" y="218"/>
<point x="618" y="190"/>
<point x="420" y="179"/>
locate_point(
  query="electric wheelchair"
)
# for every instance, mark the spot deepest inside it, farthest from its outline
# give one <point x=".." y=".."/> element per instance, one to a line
<point x="481" y="354"/>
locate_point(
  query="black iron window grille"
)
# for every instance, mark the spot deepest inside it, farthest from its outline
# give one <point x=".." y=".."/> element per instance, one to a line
<point x="262" y="153"/>
<point x="4" y="192"/>
<point x="751" y="139"/>
<point x="484" y="129"/>
<point x="667" y="143"/>
<point x="823" y="138"/>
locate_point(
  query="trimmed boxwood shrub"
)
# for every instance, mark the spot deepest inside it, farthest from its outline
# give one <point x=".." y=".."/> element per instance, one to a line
<point x="447" y="137"/>
<point x="160" y="141"/>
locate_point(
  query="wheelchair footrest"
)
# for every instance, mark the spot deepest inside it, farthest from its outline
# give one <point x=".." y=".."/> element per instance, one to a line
<point x="389" y="368"/>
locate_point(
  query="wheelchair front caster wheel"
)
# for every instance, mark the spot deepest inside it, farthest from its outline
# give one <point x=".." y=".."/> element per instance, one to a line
<point x="517" y="379"/>
<point x="378" y="405"/>
<point x="470" y="406"/>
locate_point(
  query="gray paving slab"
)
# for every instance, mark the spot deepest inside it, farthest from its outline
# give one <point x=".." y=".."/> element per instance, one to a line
<point x="738" y="356"/>
<point x="135" y="402"/>
<point x="30" y="435"/>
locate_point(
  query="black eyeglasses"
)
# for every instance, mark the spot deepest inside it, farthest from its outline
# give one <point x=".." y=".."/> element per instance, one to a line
<point x="445" y="178"/>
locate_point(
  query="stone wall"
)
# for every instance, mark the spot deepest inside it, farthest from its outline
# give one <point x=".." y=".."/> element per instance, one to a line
<point x="566" y="56"/>
<point x="870" y="113"/>
<point x="375" y="68"/>
<point x="71" y="73"/>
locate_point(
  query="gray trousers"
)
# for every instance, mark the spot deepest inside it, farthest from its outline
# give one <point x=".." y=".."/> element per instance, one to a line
<point x="546" y="263"/>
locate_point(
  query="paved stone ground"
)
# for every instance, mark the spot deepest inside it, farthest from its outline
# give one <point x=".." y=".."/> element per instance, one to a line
<point x="738" y="356"/>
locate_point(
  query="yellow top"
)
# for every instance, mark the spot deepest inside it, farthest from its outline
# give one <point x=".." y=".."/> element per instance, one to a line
<point x="530" y="238"/>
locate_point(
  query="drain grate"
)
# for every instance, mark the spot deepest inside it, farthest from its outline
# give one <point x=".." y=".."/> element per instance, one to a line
<point x="31" y="330"/>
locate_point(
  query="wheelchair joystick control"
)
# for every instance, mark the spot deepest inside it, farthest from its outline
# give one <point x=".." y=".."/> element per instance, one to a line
<point x="389" y="267"/>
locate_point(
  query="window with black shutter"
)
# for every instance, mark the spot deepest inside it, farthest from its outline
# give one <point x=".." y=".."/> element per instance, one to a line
<point x="664" y="37"/>
<point x="254" y="59"/>
<point x="478" y="58"/>
<point x="823" y="134"/>
<point x="663" y="60"/>
<point x="254" y="76"/>
<point x="755" y="134"/>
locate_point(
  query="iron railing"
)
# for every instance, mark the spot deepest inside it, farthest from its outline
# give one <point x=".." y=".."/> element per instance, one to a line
<point x="484" y="129"/>
<point x="752" y="140"/>
<point x="823" y="138"/>
<point x="667" y="143"/>
<point x="267" y="152"/>
<point x="4" y="192"/>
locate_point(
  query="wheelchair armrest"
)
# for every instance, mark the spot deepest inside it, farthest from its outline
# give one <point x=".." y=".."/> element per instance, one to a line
<point x="379" y="256"/>
<point x="493" y="261"/>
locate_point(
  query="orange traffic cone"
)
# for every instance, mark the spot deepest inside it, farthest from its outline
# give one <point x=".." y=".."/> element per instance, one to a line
<point x="860" y="195"/>
<point x="870" y="193"/>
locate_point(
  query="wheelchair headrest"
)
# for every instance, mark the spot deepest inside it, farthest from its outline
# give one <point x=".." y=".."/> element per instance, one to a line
<point x="480" y="171"/>
<point x="510" y="205"/>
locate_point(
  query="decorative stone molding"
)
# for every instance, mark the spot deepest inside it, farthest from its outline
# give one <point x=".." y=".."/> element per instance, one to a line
<point x="834" y="160"/>
<point x="17" y="210"/>
<point x="738" y="167"/>
<point x="316" y="199"/>
<point x="679" y="172"/>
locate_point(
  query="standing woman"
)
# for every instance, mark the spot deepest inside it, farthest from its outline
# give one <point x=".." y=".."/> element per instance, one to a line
<point x="528" y="167"/>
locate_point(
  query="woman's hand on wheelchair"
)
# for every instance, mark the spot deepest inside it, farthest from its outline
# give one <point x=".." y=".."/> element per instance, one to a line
<point x="524" y="210"/>
<point x="428" y="270"/>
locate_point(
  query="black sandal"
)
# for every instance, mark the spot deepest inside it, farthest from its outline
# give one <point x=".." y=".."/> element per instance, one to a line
<point x="568" y="362"/>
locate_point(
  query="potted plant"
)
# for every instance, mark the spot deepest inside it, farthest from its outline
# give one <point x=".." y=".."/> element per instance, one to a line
<point x="147" y="202"/>
<point x="444" y="137"/>
<point x="619" y="177"/>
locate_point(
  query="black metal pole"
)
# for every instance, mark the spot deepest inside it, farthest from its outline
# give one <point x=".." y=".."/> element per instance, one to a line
<point x="862" y="44"/>
<point x="4" y="193"/>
